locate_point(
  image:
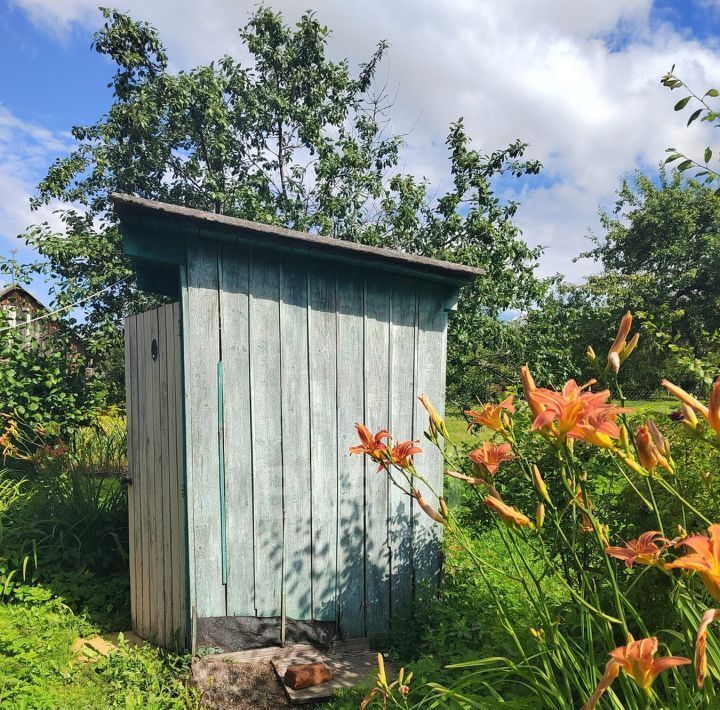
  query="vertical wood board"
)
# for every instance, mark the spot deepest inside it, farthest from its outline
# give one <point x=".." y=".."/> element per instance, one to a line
<point x="266" y="430"/>
<point x="201" y="341"/>
<point x="377" y="346"/>
<point x="295" y="411"/>
<point x="403" y="319"/>
<point x="430" y="380"/>
<point x="323" y="437"/>
<point x="351" y="468"/>
<point x="237" y="431"/>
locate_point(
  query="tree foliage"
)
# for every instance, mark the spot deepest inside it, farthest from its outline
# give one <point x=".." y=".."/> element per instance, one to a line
<point x="702" y="109"/>
<point x="290" y="138"/>
<point x="666" y="235"/>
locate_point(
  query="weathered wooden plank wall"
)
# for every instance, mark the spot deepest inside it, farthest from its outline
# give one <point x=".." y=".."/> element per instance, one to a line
<point x="307" y="351"/>
<point x="234" y="315"/>
<point x="156" y="472"/>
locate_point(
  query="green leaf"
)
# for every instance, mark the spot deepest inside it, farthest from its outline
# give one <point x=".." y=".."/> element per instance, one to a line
<point x="680" y="105"/>
<point x="670" y="158"/>
<point x="711" y="92"/>
<point x="685" y="165"/>
<point x="694" y="115"/>
<point x="708" y="155"/>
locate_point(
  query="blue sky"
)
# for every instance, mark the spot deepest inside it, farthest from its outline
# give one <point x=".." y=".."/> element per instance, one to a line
<point x="578" y="80"/>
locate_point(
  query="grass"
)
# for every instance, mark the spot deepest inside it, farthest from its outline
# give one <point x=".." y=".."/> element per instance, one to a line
<point x="38" y="668"/>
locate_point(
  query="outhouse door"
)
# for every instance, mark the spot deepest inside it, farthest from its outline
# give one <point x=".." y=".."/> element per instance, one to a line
<point x="156" y="492"/>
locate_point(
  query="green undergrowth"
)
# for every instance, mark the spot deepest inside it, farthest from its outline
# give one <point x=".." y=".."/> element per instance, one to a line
<point x="38" y="668"/>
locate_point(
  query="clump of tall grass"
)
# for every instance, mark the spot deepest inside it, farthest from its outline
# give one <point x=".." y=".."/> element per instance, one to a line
<point x="73" y="512"/>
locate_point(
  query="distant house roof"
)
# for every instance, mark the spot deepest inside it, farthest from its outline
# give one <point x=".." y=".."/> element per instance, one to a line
<point x="153" y="235"/>
<point x="5" y="291"/>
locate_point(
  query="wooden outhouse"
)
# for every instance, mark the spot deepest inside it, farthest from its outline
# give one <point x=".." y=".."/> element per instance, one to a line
<point x="249" y="519"/>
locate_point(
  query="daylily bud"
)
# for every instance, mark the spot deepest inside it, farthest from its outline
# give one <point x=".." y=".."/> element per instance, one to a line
<point x="539" y="516"/>
<point x="443" y="508"/>
<point x="627" y="350"/>
<point x="685" y="397"/>
<point x="590" y="355"/>
<point x="631" y="463"/>
<point x="689" y="420"/>
<point x="647" y="453"/>
<point x="509" y="515"/>
<point x="714" y="408"/>
<point x="539" y="636"/>
<point x="427" y="508"/>
<point x="624" y="439"/>
<point x="660" y="441"/>
<point x="436" y="421"/>
<point x="382" y="678"/>
<point x="701" y="665"/>
<point x="604" y="534"/>
<point x="539" y="484"/>
<point x="682" y="533"/>
<point x="620" y="349"/>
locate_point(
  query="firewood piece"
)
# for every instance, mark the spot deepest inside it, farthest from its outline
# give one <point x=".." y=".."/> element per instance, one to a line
<point x="306" y="675"/>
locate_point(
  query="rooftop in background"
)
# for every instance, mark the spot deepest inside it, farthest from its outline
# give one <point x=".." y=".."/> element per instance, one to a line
<point x="153" y="235"/>
<point x="22" y="292"/>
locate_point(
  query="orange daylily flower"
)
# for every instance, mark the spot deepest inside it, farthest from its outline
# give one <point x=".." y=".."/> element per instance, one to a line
<point x="493" y="416"/>
<point x="489" y="456"/>
<point x="577" y="413"/>
<point x="711" y="412"/>
<point x="701" y="645"/>
<point x="644" y="550"/>
<point x="372" y="445"/>
<point x="510" y="516"/>
<point x="401" y="453"/>
<point x="705" y="559"/>
<point x="649" y="453"/>
<point x="637" y="659"/>
<point x="566" y="407"/>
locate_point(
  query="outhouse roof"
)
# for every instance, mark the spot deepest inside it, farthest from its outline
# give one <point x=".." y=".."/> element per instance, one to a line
<point x="153" y="233"/>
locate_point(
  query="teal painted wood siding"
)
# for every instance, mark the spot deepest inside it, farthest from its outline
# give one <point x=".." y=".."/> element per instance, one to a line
<point x="307" y="349"/>
<point x="156" y="488"/>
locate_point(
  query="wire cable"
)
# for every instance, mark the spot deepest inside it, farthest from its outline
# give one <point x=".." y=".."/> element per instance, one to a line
<point x="64" y="308"/>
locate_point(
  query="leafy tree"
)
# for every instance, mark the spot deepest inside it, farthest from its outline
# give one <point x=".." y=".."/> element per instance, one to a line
<point x="46" y="390"/>
<point x="666" y="236"/>
<point x="291" y="138"/>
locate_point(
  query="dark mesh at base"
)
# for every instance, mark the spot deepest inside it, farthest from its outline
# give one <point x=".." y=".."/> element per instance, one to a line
<point x="240" y="633"/>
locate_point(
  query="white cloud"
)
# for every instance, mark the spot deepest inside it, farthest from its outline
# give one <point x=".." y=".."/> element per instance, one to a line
<point x="579" y="80"/>
<point x="26" y="150"/>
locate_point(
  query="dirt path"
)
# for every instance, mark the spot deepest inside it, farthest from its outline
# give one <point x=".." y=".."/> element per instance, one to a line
<point x="238" y="686"/>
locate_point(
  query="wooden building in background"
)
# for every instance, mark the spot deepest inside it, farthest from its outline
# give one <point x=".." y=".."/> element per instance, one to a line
<point x="20" y="310"/>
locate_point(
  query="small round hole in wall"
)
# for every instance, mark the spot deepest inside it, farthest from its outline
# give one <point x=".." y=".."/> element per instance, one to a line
<point x="154" y="349"/>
